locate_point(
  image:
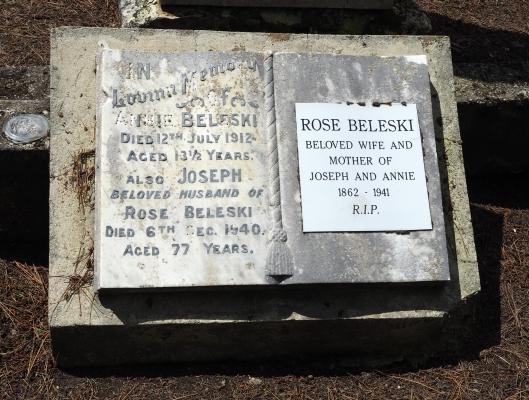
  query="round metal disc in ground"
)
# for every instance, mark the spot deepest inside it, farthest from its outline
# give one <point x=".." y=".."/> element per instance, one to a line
<point x="26" y="128"/>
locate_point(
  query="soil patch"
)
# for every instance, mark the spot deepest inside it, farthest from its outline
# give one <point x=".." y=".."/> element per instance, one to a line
<point x="481" y="30"/>
<point x="25" y="25"/>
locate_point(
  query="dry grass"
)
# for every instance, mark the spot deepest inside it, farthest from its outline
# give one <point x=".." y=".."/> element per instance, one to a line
<point x="25" y="353"/>
<point x="25" y="25"/>
<point x="80" y="283"/>
<point x="83" y="174"/>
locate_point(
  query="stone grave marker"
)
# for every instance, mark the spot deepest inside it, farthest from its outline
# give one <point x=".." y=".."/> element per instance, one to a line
<point x="189" y="180"/>
<point x="183" y="270"/>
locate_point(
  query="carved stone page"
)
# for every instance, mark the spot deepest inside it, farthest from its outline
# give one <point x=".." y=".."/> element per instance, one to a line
<point x="380" y="215"/>
<point x="183" y="170"/>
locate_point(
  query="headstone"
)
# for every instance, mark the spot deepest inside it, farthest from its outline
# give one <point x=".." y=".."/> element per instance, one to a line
<point x="189" y="180"/>
<point x="365" y="4"/>
<point x="398" y="282"/>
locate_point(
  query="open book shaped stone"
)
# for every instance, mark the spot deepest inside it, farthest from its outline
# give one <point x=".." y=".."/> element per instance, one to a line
<point x="236" y="169"/>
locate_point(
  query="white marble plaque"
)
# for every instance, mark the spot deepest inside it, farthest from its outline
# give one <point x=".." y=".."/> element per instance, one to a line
<point x="182" y="170"/>
<point x="361" y="168"/>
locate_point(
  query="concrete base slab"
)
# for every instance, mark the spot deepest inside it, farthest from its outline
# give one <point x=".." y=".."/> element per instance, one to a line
<point x="493" y="101"/>
<point x="373" y="324"/>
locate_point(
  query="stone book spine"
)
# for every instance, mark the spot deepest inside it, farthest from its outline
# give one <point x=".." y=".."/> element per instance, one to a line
<point x="279" y="259"/>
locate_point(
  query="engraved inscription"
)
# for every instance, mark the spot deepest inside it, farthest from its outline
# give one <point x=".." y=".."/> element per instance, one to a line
<point x="361" y="168"/>
<point x="183" y="170"/>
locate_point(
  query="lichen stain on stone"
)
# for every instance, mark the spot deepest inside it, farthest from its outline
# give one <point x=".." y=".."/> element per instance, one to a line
<point x="279" y="37"/>
<point x="434" y="269"/>
<point x="432" y="40"/>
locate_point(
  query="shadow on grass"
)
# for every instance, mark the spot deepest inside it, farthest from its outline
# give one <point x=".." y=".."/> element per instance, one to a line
<point x="24" y="214"/>
<point x="470" y="43"/>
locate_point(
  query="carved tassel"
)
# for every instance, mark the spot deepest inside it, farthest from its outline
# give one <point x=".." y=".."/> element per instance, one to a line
<point x="279" y="260"/>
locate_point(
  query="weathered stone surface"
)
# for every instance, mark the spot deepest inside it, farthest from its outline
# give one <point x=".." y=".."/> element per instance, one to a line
<point x="384" y="324"/>
<point x="190" y="206"/>
<point x="24" y="83"/>
<point x="137" y="13"/>
<point x="493" y="102"/>
<point x="202" y="141"/>
<point x="363" y="257"/>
